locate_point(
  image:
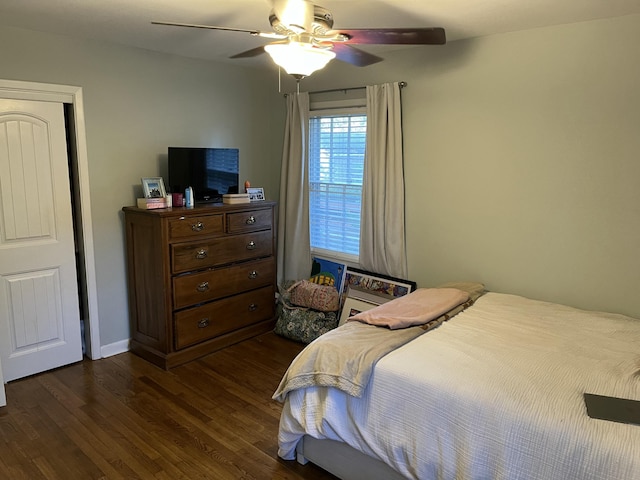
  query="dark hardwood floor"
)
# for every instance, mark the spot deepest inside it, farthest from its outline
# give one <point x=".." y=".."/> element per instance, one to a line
<point x="122" y="417"/>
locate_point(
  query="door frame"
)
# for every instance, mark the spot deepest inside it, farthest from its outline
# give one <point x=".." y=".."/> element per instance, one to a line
<point x="72" y="95"/>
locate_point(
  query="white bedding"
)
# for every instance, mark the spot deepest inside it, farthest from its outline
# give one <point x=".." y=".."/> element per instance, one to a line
<point x="494" y="393"/>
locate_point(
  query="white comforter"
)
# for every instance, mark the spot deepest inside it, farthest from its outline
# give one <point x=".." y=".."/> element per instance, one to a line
<point x="494" y="393"/>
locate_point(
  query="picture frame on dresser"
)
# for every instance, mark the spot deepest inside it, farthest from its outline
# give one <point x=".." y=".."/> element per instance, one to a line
<point x="256" y="194"/>
<point x="153" y="187"/>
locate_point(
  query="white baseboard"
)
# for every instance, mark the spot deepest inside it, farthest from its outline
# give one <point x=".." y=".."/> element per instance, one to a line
<point x="114" y="348"/>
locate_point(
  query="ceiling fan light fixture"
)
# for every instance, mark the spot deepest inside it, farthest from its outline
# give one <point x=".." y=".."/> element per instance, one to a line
<point x="299" y="59"/>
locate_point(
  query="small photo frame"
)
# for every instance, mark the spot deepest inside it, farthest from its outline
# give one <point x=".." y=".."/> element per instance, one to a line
<point x="256" y="194"/>
<point x="153" y="187"/>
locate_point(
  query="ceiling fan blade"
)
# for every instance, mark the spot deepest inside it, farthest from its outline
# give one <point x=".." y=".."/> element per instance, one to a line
<point x="395" y="36"/>
<point x="256" y="33"/>
<point x="254" y="52"/>
<point x="354" y="56"/>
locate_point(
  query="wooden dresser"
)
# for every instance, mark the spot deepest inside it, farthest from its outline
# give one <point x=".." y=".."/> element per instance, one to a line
<point x="199" y="279"/>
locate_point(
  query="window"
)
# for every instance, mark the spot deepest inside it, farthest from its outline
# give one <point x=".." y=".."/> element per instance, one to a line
<point x="336" y="167"/>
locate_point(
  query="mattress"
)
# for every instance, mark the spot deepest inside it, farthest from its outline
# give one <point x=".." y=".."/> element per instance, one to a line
<point x="496" y="392"/>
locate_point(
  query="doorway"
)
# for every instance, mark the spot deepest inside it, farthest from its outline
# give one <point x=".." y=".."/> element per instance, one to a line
<point x="71" y="99"/>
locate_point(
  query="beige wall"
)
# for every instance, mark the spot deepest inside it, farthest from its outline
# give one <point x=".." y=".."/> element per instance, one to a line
<point x="522" y="157"/>
<point x="521" y="150"/>
<point x="137" y="103"/>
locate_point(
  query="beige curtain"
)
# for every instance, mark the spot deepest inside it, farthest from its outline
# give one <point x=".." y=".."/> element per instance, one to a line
<point x="382" y="232"/>
<point x="294" y="244"/>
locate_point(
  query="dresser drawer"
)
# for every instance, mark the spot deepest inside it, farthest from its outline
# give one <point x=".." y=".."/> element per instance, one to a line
<point x="216" y="318"/>
<point x="249" y="221"/>
<point x="219" y="251"/>
<point x="196" y="226"/>
<point x="205" y="286"/>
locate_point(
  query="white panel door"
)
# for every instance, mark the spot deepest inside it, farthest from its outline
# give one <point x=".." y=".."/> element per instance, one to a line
<point x="39" y="313"/>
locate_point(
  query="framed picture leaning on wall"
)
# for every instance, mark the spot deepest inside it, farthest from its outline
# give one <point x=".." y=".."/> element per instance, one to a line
<point x="358" y="300"/>
<point x="395" y="287"/>
<point x="362" y="288"/>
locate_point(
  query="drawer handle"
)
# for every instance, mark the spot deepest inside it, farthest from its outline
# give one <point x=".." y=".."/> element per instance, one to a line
<point x="203" y="323"/>
<point x="251" y="245"/>
<point x="197" y="227"/>
<point x="253" y="307"/>
<point x="253" y="274"/>
<point x="200" y="254"/>
<point x="203" y="287"/>
<point x="251" y="220"/>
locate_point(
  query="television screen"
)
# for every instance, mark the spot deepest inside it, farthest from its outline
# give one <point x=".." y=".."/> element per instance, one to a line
<point x="211" y="172"/>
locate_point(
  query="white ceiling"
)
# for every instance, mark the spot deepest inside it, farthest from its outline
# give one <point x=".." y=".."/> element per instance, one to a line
<point x="128" y="21"/>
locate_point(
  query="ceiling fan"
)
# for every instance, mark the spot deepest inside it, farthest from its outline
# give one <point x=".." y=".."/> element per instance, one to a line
<point x="305" y="40"/>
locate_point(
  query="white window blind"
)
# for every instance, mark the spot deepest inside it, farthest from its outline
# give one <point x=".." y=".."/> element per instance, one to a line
<point x="336" y="167"/>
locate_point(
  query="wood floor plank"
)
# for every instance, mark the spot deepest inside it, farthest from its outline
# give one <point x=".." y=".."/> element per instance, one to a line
<point x="123" y="417"/>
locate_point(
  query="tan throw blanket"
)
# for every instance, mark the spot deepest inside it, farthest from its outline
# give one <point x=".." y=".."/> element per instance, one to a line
<point x="344" y="358"/>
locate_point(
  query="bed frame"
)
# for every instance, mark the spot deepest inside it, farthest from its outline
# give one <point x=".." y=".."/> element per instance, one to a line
<point x="343" y="461"/>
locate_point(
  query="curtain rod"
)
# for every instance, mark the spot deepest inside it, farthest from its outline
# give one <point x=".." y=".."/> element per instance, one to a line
<point x="402" y="85"/>
<point x="345" y="90"/>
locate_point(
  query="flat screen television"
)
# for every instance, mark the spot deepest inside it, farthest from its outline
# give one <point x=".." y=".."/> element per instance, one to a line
<point x="211" y="172"/>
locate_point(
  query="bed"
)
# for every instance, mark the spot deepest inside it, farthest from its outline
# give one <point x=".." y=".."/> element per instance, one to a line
<point x="495" y="392"/>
